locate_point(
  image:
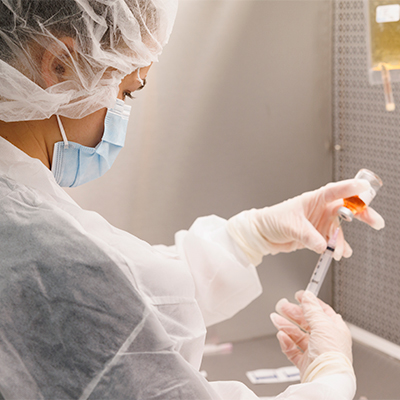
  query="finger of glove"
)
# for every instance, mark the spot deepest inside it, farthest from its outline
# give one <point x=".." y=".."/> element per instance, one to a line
<point x="294" y="332"/>
<point x="328" y="310"/>
<point x="346" y="188"/>
<point x="342" y="249"/>
<point x="292" y="312"/>
<point x="308" y="236"/>
<point x="372" y="218"/>
<point x="299" y="295"/>
<point x="285" y="247"/>
<point x="314" y="312"/>
<point x="347" y="252"/>
<point x="289" y="348"/>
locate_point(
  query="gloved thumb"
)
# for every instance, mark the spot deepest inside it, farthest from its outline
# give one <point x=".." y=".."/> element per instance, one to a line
<point x="309" y="237"/>
<point x="372" y="218"/>
<point x="313" y="312"/>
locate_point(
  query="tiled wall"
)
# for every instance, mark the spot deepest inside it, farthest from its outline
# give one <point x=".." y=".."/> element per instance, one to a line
<point x="366" y="286"/>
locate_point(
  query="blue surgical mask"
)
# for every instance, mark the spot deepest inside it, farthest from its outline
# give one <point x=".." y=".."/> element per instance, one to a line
<point x="74" y="164"/>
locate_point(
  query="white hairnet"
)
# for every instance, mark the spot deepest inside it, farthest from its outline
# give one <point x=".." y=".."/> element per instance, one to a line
<point x="107" y="39"/>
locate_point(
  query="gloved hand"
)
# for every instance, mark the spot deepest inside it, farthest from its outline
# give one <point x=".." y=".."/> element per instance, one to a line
<point x="326" y="333"/>
<point x="307" y="221"/>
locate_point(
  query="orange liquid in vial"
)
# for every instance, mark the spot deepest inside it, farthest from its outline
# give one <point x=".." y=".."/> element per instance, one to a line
<point x="354" y="204"/>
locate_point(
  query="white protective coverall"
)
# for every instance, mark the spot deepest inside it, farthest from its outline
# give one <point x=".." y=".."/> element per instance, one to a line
<point x="91" y="312"/>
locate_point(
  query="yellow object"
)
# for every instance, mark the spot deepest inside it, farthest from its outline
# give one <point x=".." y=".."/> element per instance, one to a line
<point x="384" y="44"/>
<point x="384" y="19"/>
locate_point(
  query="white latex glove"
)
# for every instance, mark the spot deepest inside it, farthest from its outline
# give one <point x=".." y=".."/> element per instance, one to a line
<point x="322" y="345"/>
<point x="305" y="221"/>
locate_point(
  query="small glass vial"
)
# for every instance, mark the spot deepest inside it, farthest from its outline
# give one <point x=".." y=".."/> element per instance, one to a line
<point x="357" y="204"/>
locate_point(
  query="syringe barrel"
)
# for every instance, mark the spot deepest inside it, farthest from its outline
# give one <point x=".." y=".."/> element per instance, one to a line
<point x="320" y="271"/>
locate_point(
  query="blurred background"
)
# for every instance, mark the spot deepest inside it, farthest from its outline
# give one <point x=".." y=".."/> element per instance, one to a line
<point x="254" y="102"/>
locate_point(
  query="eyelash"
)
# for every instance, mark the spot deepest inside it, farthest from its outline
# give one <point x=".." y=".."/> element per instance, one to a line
<point x="128" y="94"/>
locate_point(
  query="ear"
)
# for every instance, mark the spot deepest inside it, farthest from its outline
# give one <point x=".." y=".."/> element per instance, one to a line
<point x="56" y="61"/>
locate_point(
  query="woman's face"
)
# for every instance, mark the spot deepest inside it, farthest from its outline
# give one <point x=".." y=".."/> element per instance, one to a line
<point x="88" y="131"/>
<point x="132" y="83"/>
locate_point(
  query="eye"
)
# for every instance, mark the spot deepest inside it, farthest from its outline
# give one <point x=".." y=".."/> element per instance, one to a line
<point x="127" y="94"/>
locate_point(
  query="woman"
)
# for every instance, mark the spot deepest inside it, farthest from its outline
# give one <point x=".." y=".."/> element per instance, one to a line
<point x="90" y="311"/>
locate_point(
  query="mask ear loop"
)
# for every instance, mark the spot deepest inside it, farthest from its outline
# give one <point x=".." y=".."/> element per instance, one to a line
<point x="139" y="78"/>
<point x="64" y="136"/>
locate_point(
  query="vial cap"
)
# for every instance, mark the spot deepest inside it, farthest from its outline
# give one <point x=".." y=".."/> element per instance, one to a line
<point x="346" y="214"/>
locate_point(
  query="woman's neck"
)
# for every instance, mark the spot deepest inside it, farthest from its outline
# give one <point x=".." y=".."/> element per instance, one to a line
<point x="35" y="138"/>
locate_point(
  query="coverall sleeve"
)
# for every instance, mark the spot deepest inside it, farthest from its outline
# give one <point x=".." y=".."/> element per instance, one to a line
<point x="225" y="280"/>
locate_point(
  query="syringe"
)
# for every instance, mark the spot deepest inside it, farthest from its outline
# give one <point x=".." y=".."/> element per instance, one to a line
<point x="323" y="264"/>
